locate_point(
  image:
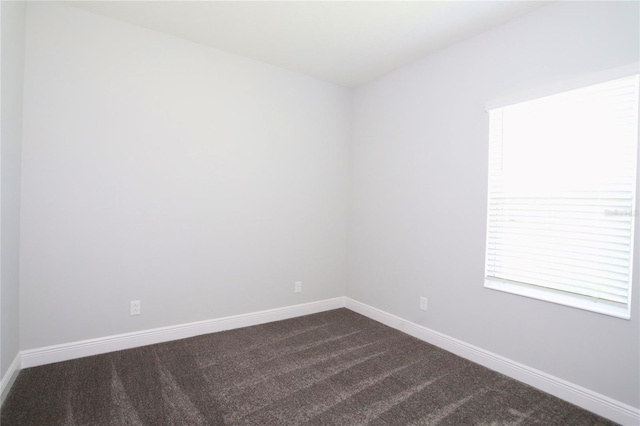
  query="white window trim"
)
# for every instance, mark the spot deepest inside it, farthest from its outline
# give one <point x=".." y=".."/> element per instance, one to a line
<point x="551" y="295"/>
<point x="564" y="86"/>
<point x="560" y="298"/>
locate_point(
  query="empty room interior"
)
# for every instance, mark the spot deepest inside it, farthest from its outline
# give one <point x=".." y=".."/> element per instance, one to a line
<point x="238" y="212"/>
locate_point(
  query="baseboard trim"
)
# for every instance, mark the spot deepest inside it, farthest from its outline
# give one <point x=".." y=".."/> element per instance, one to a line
<point x="67" y="351"/>
<point x="10" y="377"/>
<point x="589" y="400"/>
<point x="582" y="397"/>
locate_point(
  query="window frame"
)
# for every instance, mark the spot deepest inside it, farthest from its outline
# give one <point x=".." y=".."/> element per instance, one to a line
<point x="573" y="300"/>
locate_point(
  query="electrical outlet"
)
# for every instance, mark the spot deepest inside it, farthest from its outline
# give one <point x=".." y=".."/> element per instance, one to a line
<point x="298" y="287"/>
<point x="134" y="308"/>
<point x="423" y="303"/>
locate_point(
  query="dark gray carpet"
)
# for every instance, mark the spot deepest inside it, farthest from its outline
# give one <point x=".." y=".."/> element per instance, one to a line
<point x="332" y="368"/>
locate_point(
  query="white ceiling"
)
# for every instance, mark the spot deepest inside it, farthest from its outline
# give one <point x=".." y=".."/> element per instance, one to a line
<point x="345" y="42"/>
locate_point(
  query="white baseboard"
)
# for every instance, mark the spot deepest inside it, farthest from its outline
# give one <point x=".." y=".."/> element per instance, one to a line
<point x="602" y="405"/>
<point x="10" y="377"/>
<point x="585" y="398"/>
<point x="67" y="351"/>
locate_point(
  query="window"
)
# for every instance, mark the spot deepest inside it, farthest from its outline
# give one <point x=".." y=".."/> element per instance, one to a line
<point x="561" y="201"/>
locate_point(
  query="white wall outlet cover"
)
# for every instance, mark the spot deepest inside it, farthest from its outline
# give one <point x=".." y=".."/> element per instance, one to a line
<point x="423" y="303"/>
<point x="134" y="308"/>
<point x="298" y="287"/>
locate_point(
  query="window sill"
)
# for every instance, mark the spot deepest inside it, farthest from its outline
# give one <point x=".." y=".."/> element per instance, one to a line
<point x="558" y="297"/>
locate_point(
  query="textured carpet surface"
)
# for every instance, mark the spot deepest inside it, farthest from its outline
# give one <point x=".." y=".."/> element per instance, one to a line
<point x="331" y="368"/>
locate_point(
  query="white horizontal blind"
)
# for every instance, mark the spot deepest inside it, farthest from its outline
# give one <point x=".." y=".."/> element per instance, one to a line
<point x="562" y="172"/>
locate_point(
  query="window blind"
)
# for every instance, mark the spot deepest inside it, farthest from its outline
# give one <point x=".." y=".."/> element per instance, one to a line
<point x="562" y="173"/>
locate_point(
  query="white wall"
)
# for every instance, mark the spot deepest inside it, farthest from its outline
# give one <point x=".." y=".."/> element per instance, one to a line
<point x="155" y="169"/>
<point x="13" y="28"/>
<point x="204" y="184"/>
<point x="417" y="224"/>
